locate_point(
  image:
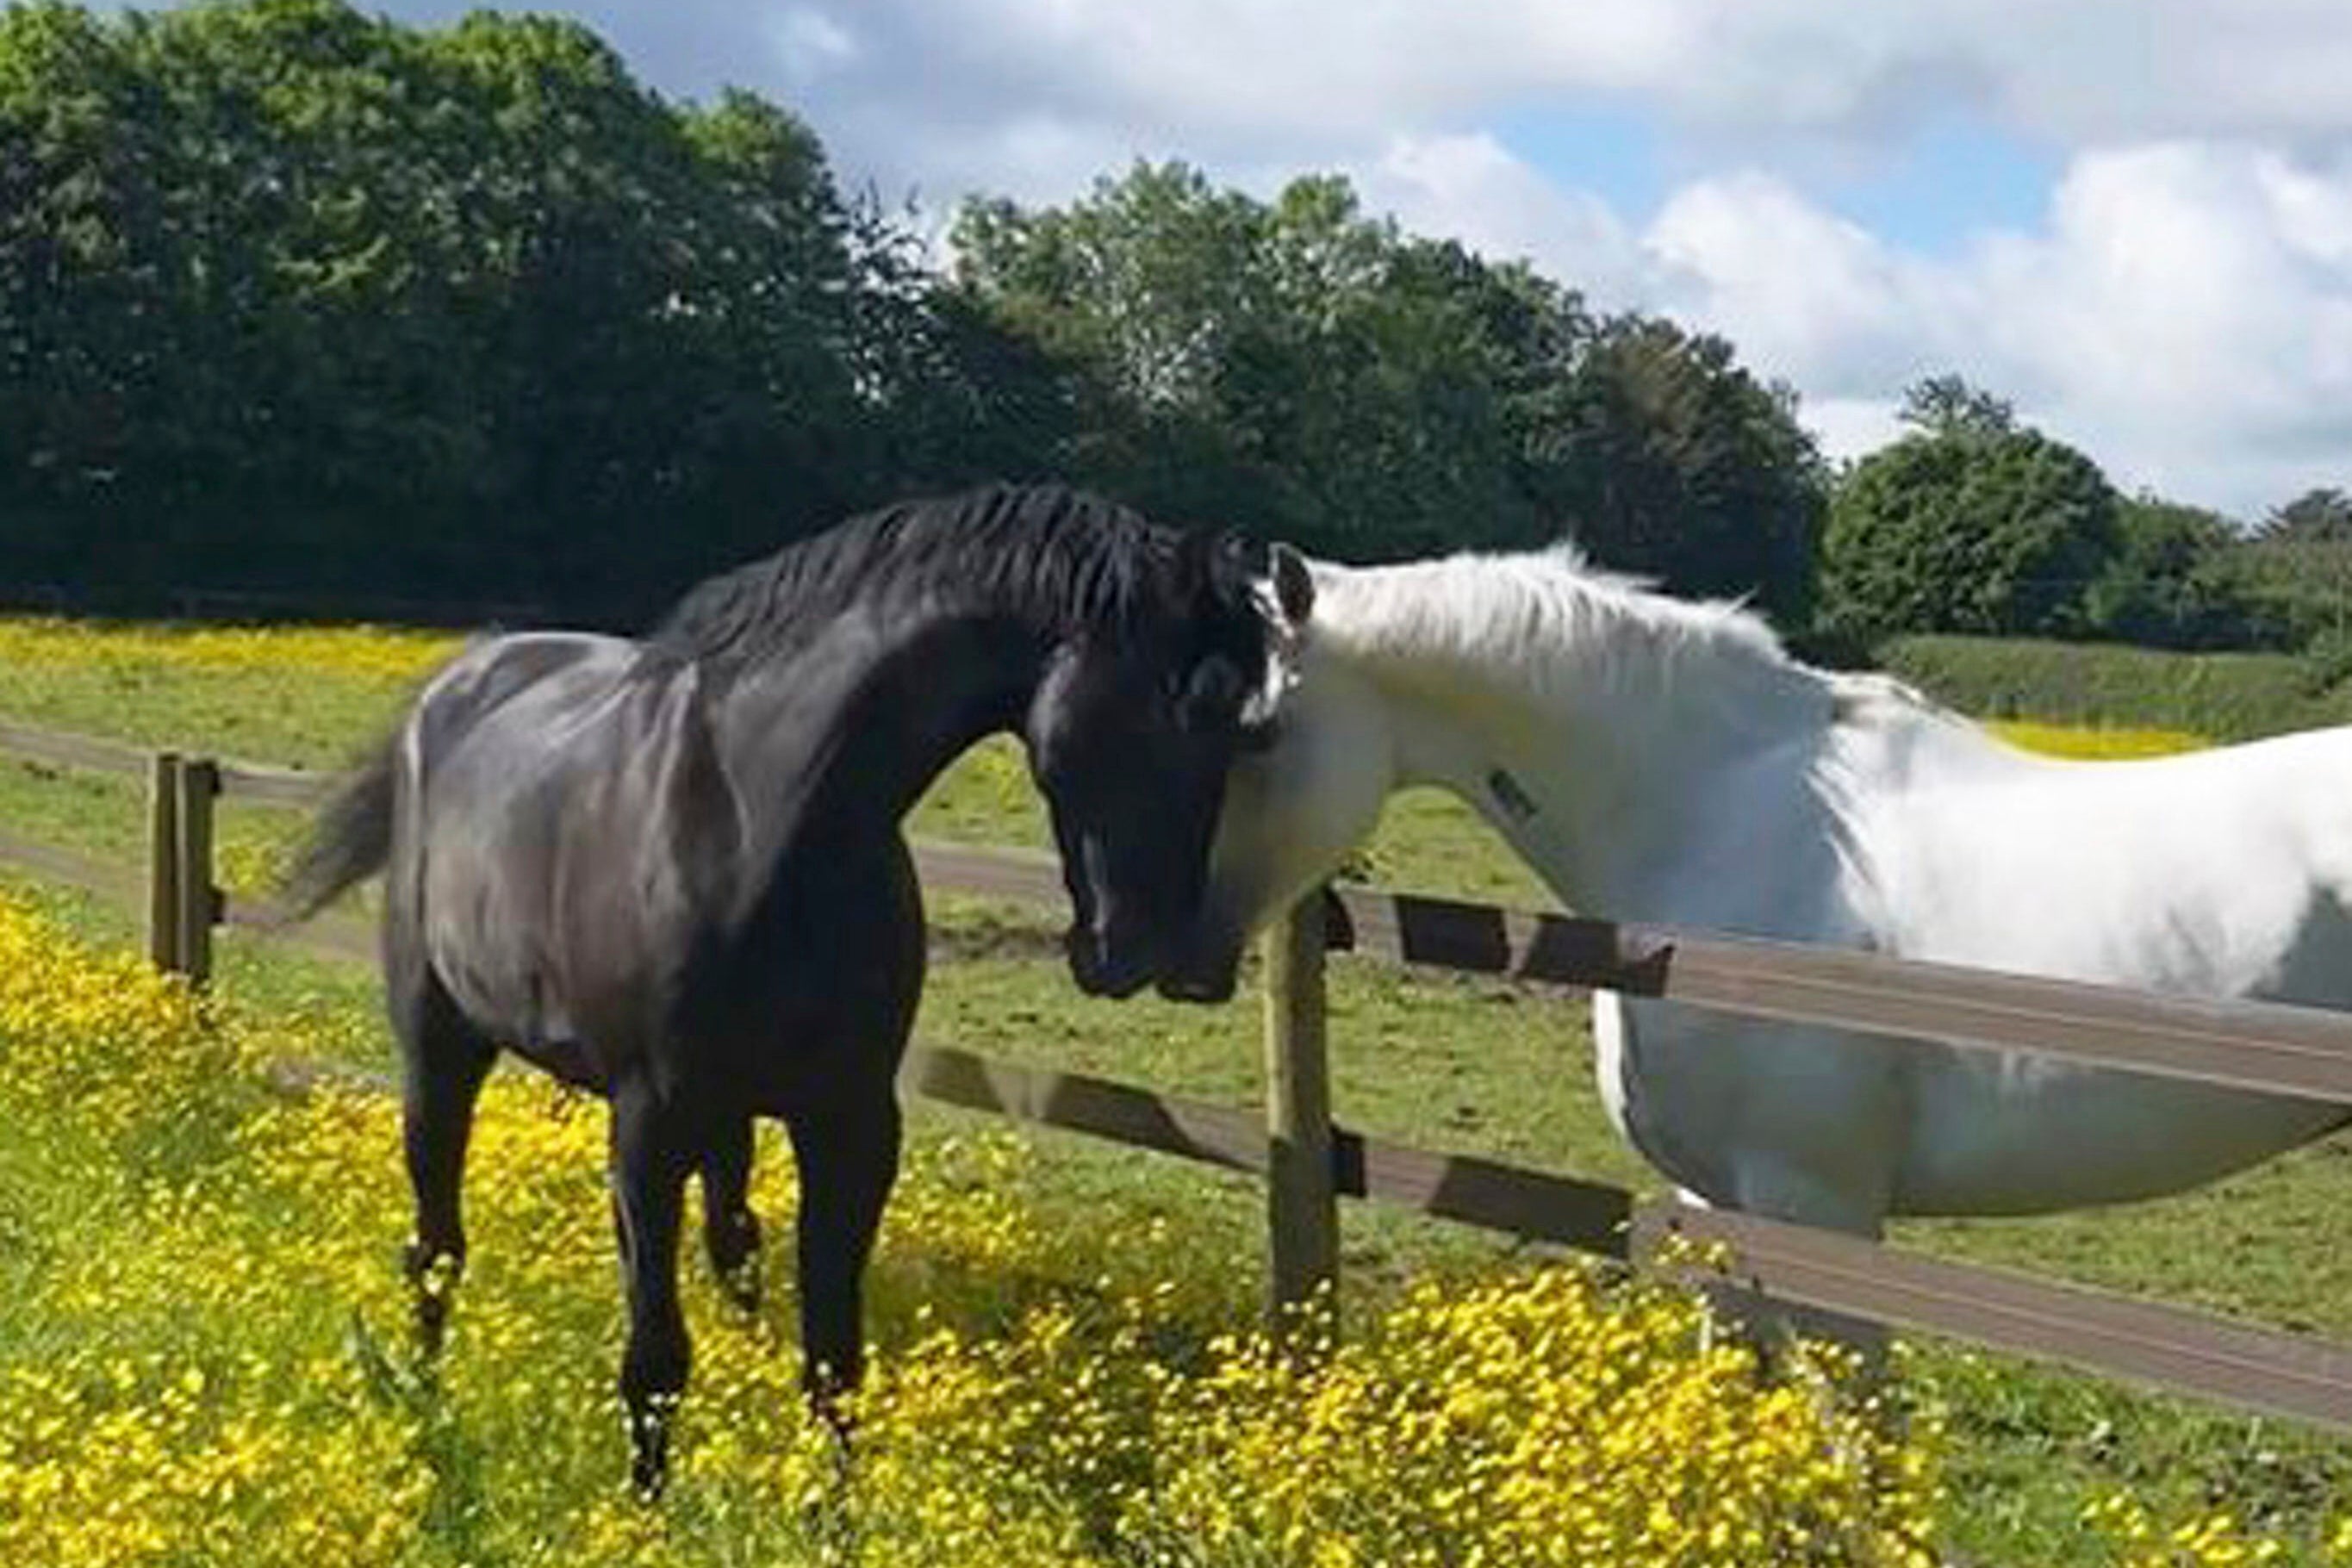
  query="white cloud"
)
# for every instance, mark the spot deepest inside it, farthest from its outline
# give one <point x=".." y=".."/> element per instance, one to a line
<point x="2182" y="305"/>
<point x="1810" y="292"/>
<point x="1309" y="72"/>
<point x="1473" y="189"/>
<point x="1249" y="80"/>
<point x="1853" y="426"/>
<point x="1805" y="294"/>
<point x="812" y="43"/>
<point x="905" y="89"/>
<point x="2184" y="311"/>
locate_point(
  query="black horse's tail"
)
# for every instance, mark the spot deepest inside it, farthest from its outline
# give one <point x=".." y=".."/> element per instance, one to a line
<point x="350" y="841"/>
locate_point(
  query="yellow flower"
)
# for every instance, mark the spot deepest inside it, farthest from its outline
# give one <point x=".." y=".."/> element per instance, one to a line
<point x="209" y="1361"/>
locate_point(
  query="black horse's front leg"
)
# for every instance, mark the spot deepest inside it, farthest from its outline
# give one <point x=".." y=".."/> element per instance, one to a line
<point x="848" y="1155"/>
<point x="650" y="1158"/>
<point x="730" y="1232"/>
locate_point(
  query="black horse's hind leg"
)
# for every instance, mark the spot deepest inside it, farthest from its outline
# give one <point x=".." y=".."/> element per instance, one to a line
<point x="848" y="1157"/>
<point x="447" y="1060"/>
<point x="730" y="1230"/>
<point x="651" y="1156"/>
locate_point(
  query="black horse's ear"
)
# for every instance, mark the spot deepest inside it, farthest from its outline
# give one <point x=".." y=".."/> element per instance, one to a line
<point x="1238" y="561"/>
<point x="1293" y="584"/>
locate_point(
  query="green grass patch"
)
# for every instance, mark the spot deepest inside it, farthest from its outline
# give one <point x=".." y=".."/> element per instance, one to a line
<point x="2225" y="696"/>
<point x="1444" y="1062"/>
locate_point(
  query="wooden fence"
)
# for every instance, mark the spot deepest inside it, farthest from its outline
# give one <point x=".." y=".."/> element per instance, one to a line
<point x="1310" y="1160"/>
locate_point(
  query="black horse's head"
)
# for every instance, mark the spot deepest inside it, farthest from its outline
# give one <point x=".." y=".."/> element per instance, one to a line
<point x="1130" y="735"/>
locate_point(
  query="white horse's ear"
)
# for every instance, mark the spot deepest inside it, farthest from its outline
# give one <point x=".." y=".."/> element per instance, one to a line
<point x="1293" y="584"/>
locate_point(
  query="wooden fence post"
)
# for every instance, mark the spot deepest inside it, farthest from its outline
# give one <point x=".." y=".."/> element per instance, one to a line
<point x="199" y="787"/>
<point x="1302" y="1197"/>
<point x="163" y="860"/>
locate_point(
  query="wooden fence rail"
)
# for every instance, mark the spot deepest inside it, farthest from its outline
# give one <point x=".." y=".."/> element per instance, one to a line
<point x="1310" y="1160"/>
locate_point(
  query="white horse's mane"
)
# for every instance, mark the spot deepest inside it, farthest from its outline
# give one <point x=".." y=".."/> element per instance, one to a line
<point x="1556" y="625"/>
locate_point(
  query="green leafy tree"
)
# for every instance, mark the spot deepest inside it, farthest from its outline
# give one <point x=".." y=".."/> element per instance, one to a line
<point x="1144" y="292"/>
<point x="1948" y="405"/>
<point x="1694" y="471"/>
<point x="291" y="295"/>
<point x="2171" y="582"/>
<point x="2320" y="516"/>
<point x="1303" y="370"/>
<point x="1997" y="534"/>
<point x="2297" y="570"/>
<point x="87" y="264"/>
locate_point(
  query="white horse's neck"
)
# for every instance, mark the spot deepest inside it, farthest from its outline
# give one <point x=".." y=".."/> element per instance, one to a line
<point x="1567" y="707"/>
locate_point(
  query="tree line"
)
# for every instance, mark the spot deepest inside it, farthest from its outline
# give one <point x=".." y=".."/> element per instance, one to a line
<point x="298" y="299"/>
<point x="292" y="296"/>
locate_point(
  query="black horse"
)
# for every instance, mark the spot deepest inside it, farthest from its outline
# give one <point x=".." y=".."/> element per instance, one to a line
<point x="671" y="871"/>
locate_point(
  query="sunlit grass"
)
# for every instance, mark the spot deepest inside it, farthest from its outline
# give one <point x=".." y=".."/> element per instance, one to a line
<point x="203" y="1359"/>
<point x="1438" y="1061"/>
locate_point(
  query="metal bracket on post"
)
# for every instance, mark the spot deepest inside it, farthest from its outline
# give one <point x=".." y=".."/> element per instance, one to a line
<point x="1302" y="1195"/>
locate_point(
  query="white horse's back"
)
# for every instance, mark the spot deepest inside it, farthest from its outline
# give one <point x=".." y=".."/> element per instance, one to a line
<point x="1659" y="761"/>
<point x="2210" y="873"/>
<point x="2225" y="873"/>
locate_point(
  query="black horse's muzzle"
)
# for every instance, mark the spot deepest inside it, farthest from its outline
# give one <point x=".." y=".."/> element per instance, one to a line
<point x="1207" y="966"/>
<point x="1199" y="985"/>
<point x="1105" y="964"/>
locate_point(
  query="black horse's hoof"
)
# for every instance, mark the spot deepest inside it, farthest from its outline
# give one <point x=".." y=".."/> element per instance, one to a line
<point x="433" y="1276"/>
<point x="649" y="1448"/>
<point x="830" y="1400"/>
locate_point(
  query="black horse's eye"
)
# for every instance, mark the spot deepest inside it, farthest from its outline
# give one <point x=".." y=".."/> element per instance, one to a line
<point x="1213" y="694"/>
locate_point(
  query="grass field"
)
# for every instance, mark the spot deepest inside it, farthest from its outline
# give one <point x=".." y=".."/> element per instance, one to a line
<point x="204" y="1360"/>
<point x="2032" y="1461"/>
<point x="2227" y="696"/>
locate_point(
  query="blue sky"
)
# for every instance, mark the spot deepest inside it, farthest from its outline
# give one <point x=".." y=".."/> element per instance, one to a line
<point x="1929" y="190"/>
<point x="1610" y="149"/>
<point x="2132" y="217"/>
<point x="1949" y="181"/>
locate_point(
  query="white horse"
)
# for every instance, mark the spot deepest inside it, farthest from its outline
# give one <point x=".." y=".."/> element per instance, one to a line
<point x="1660" y="760"/>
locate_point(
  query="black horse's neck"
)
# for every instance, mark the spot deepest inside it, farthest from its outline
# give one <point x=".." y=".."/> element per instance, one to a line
<point x="841" y="676"/>
<point x="912" y="699"/>
<point x="826" y="753"/>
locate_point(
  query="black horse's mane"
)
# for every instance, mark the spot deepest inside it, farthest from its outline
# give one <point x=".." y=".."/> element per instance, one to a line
<point x="1060" y="559"/>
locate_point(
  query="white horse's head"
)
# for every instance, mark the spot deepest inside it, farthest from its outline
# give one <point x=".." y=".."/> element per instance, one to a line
<point x="1292" y="813"/>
